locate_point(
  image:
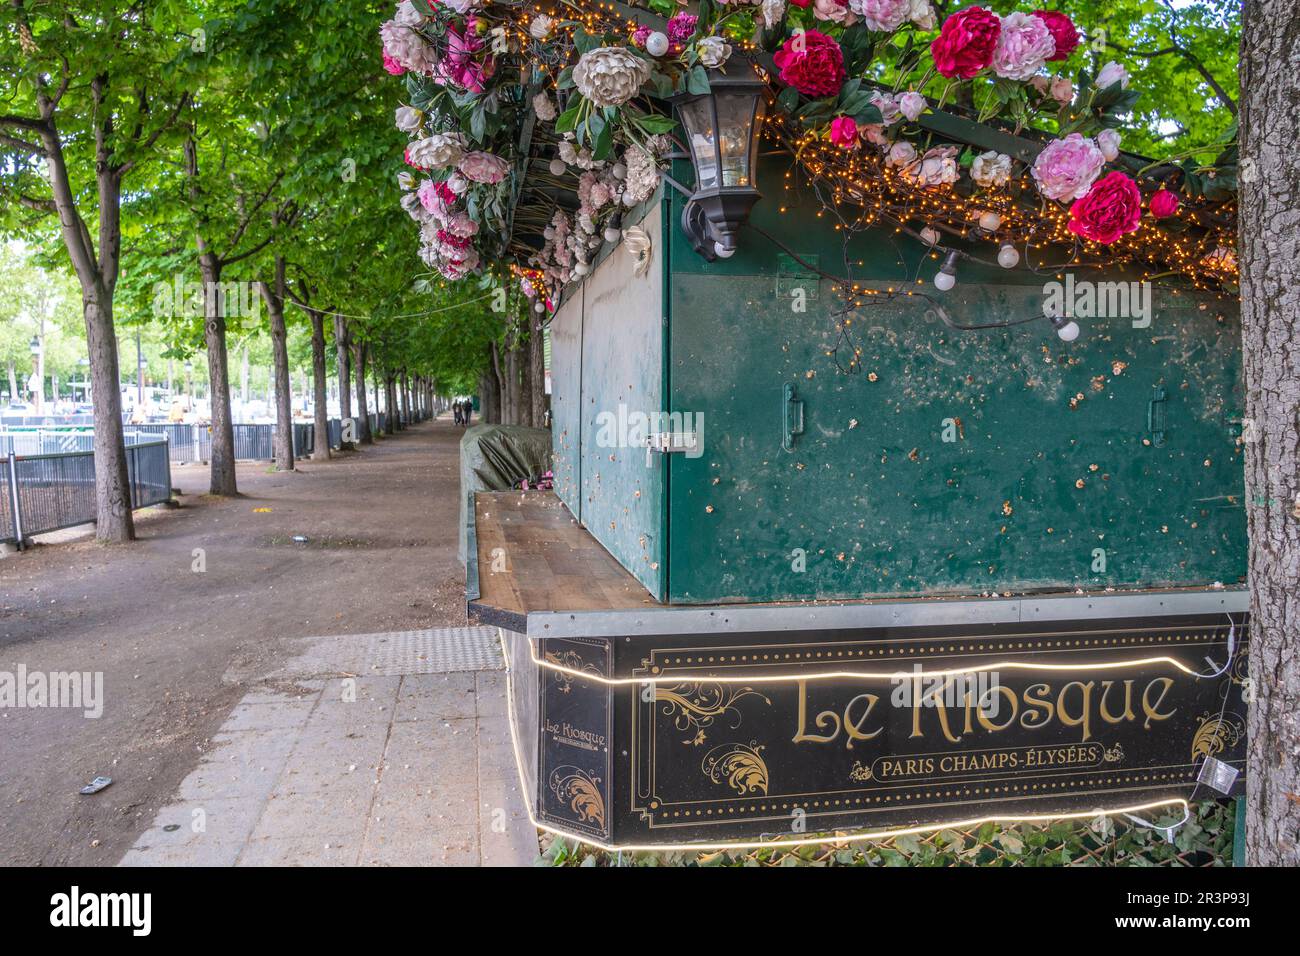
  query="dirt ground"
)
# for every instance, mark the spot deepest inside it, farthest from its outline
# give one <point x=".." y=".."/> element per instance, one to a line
<point x="177" y="647"/>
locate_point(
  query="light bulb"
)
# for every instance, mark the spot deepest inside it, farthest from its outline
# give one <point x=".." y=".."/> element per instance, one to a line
<point x="582" y="268"/>
<point x="1008" y="257"/>
<point x="1066" y="329"/>
<point x="929" y="236"/>
<point x="722" y="252"/>
<point x="538" y="307"/>
<point x="989" y="221"/>
<point x="612" y="234"/>
<point x="618" y="171"/>
<point x="656" y="44"/>
<point x="548" y="232"/>
<point x="946" y="277"/>
<point x="558" y="167"/>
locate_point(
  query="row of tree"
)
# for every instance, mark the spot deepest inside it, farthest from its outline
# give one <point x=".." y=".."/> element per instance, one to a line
<point x="181" y="159"/>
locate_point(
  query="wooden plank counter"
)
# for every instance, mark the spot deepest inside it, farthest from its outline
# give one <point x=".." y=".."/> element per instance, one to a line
<point x="533" y="556"/>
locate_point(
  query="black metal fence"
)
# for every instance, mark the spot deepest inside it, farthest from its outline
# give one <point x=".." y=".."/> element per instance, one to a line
<point x="41" y="493"/>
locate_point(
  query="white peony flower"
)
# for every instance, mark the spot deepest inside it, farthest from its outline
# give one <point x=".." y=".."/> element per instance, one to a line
<point x="991" y="169"/>
<point x="1108" y="143"/>
<point x="610" y="75"/>
<point x="773" y="11"/>
<point x="543" y="107"/>
<point x="539" y="28"/>
<point x="437" y="151"/>
<point x="922" y="14"/>
<point x="713" y="51"/>
<point x="407" y="15"/>
<point x="408" y="119"/>
<point x="938" y="167"/>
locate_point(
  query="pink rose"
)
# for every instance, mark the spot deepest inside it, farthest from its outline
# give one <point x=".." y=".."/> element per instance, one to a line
<point x="1064" y="33"/>
<point x="484" y="167"/>
<point x="812" y="63"/>
<point x="1024" y="44"/>
<point x="966" y="42"/>
<point x="1164" y="204"/>
<point x="844" y="132"/>
<point x="1066" y="168"/>
<point x="1110" y="209"/>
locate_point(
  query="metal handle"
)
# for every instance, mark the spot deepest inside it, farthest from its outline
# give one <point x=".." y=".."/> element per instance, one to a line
<point x="791" y="417"/>
<point x="1156" y="416"/>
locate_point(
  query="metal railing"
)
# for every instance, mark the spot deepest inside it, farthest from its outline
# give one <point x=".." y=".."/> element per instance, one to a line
<point x="42" y="493"/>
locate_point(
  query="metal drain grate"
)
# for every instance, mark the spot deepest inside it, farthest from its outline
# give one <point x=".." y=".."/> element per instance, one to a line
<point x="392" y="654"/>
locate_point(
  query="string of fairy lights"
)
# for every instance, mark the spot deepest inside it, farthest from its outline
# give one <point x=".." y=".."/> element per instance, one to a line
<point x="859" y="191"/>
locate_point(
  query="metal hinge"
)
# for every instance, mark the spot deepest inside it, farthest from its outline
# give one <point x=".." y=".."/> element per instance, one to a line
<point x="668" y="443"/>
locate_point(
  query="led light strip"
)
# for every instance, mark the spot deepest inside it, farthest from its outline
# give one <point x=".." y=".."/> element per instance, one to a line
<point x="800" y="841"/>
<point x="833" y="675"/>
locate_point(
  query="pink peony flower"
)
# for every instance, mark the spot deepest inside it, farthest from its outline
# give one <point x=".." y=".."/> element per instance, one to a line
<point x="1164" y="204"/>
<point x="1064" y="33"/>
<point x="844" y="132"/>
<point x="938" y="167"/>
<point x="911" y="104"/>
<point x="1066" y="168"/>
<point x="392" y="66"/>
<point x="833" y="11"/>
<point x="1108" y="143"/>
<point x="966" y="42"/>
<point x="681" y="27"/>
<point x="1111" y="74"/>
<point x="812" y="63"/>
<point x="461" y="66"/>
<point x="882" y="16"/>
<point x="1110" y="209"/>
<point x="484" y="167"/>
<point x="1024" y="45"/>
<point x="1062" y="90"/>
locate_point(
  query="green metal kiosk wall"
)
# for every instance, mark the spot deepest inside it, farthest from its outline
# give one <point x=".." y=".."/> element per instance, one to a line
<point x="949" y="463"/>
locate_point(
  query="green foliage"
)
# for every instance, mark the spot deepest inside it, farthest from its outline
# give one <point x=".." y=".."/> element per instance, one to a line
<point x="1204" y="840"/>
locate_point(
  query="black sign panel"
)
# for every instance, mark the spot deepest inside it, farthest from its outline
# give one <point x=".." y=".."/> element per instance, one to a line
<point x="789" y="734"/>
<point x="574" y="726"/>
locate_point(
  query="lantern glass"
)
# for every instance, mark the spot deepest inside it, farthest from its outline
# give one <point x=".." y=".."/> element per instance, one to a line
<point x="737" y="114"/>
<point x="697" y="116"/>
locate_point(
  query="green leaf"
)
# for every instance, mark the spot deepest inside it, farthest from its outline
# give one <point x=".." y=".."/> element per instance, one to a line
<point x="698" y="81"/>
<point x="567" y="120"/>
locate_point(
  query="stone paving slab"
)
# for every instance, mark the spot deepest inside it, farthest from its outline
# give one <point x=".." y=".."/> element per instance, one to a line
<point x="377" y="750"/>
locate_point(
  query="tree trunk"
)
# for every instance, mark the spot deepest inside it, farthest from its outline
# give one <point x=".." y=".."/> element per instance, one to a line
<point x="537" y="370"/>
<point x="343" y="356"/>
<point x="283" y="433"/>
<point x="113" y="520"/>
<point x="320" y="450"/>
<point x="98" y="279"/>
<point x="490" y="389"/>
<point x="214" y="335"/>
<point x="1270" y="318"/>
<point x="406" y="398"/>
<point x="390" y="419"/>
<point x="363" y="409"/>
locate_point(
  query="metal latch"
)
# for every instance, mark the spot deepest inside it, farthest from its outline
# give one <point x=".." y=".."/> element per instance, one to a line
<point x="668" y="443"/>
<point x="1156" y="415"/>
<point x="791" y="417"/>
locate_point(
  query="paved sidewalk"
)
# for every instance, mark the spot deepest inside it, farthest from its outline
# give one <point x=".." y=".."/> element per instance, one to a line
<point x="382" y="749"/>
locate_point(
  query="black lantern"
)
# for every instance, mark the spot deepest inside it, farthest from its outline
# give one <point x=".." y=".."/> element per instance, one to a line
<point x="722" y="127"/>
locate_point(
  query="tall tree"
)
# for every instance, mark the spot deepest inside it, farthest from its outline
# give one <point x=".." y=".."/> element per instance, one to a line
<point x="87" y="96"/>
<point x="1269" y="245"/>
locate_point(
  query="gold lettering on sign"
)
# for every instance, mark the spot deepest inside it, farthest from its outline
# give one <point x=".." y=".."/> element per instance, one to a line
<point x="1151" y="710"/>
<point x="824" y="718"/>
<point x="1128" y="703"/>
<point x="1085" y="709"/>
<point x="1042" y="709"/>
<point x="1012" y="704"/>
<point x="854" y="727"/>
